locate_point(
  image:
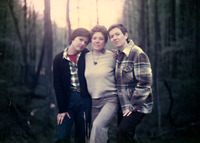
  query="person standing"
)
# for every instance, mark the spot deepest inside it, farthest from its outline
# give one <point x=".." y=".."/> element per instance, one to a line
<point x="73" y="99"/>
<point x="99" y="73"/>
<point x="134" y="80"/>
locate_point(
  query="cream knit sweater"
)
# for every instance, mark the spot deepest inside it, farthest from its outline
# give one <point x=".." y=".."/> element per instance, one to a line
<point x="100" y="77"/>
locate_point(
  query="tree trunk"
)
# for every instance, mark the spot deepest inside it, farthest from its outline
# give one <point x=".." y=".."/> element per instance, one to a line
<point x="169" y="114"/>
<point x="156" y="62"/>
<point x="197" y="38"/>
<point x="40" y="64"/>
<point x="141" y="26"/>
<point x="78" y="9"/>
<point x="68" y="21"/>
<point x="173" y="21"/>
<point x="32" y="43"/>
<point x="25" y="53"/>
<point x="3" y="47"/>
<point x="97" y="10"/>
<point x="147" y="25"/>
<point x="19" y="36"/>
<point x="130" y="17"/>
<point x="48" y="46"/>
<point x="167" y="25"/>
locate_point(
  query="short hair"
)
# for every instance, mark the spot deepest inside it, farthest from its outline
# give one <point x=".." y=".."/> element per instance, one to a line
<point x="80" y="32"/>
<point x="102" y="29"/>
<point x="121" y="27"/>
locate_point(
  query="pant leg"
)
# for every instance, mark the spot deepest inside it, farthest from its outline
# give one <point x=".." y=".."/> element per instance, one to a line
<point x="127" y="126"/>
<point x="87" y="113"/>
<point x="83" y="109"/>
<point x="80" y="128"/>
<point x="64" y="129"/>
<point x="100" y="126"/>
<point x="96" y="108"/>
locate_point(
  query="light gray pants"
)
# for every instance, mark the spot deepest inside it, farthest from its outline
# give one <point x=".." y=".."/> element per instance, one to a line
<point x="103" y="111"/>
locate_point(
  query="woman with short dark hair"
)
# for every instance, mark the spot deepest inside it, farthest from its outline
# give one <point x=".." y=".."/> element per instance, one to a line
<point x="134" y="80"/>
<point x="73" y="99"/>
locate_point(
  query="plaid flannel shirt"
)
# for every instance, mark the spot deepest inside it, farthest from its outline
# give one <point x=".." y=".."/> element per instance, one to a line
<point x="73" y="70"/>
<point x="134" y="79"/>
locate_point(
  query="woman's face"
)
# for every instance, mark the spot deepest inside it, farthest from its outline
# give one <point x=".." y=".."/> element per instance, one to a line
<point x="118" y="39"/>
<point x="80" y="43"/>
<point x="98" y="42"/>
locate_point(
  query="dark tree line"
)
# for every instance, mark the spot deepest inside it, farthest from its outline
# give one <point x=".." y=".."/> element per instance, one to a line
<point x="26" y="71"/>
<point x="168" y="31"/>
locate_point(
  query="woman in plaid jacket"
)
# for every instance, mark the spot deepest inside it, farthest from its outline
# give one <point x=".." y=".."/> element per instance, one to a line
<point x="134" y="80"/>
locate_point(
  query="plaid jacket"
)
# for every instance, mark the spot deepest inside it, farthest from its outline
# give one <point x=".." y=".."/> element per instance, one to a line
<point x="134" y="79"/>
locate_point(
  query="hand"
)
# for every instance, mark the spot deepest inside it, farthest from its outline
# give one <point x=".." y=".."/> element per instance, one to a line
<point x="67" y="115"/>
<point x="61" y="116"/>
<point x="114" y="51"/>
<point x="127" y="112"/>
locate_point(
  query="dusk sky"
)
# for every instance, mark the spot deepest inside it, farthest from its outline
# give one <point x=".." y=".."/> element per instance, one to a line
<point x="109" y="12"/>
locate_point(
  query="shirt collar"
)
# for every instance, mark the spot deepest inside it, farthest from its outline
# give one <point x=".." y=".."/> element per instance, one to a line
<point x="127" y="50"/>
<point x="65" y="54"/>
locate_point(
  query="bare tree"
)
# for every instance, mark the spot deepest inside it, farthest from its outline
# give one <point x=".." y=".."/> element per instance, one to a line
<point x="48" y="44"/>
<point x="32" y="45"/>
<point x="24" y="38"/>
<point x="141" y="27"/>
<point x="3" y="47"/>
<point x="68" y="20"/>
<point x="78" y="9"/>
<point x="169" y="113"/>
<point x="147" y="25"/>
<point x="156" y="62"/>
<point x="173" y="21"/>
<point x="197" y="37"/>
<point x="97" y="11"/>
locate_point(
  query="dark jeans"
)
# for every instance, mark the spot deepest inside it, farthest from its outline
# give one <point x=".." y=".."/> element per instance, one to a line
<point x="79" y="109"/>
<point x="127" y="126"/>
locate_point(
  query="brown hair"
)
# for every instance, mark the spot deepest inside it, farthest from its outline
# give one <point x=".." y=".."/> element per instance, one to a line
<point x="102" y="29"/>
<point x="119" y="26"/>
<point x="80" y="32"/>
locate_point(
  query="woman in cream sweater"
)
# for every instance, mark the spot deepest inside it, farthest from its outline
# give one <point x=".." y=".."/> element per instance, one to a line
<point x="99" y="73"/>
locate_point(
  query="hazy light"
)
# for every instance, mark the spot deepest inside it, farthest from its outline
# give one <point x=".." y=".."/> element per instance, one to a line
<point x="82" y="14"/>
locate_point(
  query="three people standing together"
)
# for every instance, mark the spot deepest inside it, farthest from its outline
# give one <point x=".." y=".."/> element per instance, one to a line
<point x="97" y="75"/>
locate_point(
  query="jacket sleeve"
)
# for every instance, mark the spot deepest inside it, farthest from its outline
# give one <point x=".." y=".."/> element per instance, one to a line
<point x="143" y="75"/>
<point x="58" y="86"/>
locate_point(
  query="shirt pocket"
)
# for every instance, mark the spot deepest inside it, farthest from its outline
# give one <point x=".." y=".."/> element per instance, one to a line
<point x="127" y="73"/>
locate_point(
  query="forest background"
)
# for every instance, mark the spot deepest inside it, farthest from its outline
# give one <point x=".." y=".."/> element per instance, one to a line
<point x="167" y="30"/>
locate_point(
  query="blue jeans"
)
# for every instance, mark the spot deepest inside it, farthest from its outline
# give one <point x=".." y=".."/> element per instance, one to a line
<point x="79" y="109"/>
<point x="103" y="111"/>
